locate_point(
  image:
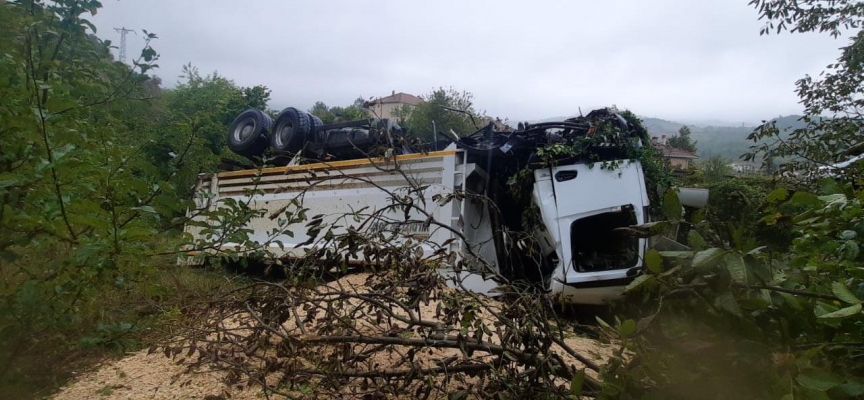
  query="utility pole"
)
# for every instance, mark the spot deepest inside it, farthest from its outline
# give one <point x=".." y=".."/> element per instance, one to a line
<point x="123" y="31"/>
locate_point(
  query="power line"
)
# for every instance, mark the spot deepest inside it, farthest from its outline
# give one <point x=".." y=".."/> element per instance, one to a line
<point x="123" y="31"/>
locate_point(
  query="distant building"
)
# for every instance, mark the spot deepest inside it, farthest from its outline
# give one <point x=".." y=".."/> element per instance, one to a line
<point x="744" y="167"/>
<point x="678" y="158"/>
<point x="384" y="107"/>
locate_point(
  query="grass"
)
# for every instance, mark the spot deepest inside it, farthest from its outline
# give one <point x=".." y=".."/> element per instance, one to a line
<point x="104" y="326"/>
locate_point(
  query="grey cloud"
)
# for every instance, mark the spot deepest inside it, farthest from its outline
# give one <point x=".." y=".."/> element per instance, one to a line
<point x="676" y="59"/>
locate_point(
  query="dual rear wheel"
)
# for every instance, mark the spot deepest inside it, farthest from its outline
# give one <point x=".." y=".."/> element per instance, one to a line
<point x="253" y="131"/>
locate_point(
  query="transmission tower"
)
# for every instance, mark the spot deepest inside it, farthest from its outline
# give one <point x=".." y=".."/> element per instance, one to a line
<point x="123" y="31"/>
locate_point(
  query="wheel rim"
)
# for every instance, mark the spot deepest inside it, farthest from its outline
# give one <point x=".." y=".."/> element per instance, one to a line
<point x="244" y="129"/>
<point x="283" y="135"/>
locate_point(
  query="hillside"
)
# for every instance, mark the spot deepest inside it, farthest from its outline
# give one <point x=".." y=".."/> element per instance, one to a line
<point x="731" y="141"/>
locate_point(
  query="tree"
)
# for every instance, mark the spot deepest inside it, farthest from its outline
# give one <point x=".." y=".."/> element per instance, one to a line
<point x="256" y="96"/>
<point x="832" y="101"/>
<point x="403" y="114"/>
<point x="97" y="164"/>
<point x="434" y="109"/>
<point x="716" y="169"/>
<point x="339" y="114"/>
<point x="320" y="110"/>
<point x="78" y="199"/>
<point x="771" y="280"/>
<point x="210" y="103"/>
<point x="768" y="165"/>
<point x="683" y="141"/>
<point x="192" y="120"/>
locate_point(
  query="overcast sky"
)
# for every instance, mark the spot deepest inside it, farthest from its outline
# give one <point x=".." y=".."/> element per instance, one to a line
<point x="685" y="60"/>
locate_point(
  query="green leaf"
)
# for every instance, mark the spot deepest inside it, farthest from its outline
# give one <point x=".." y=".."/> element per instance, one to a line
<point x="603" y="323"/>
<point x="727" y="302"/>
<point x="654" y="261"/>
<point x="808" y="221"/>
<point x="60" y="152"/>
<point x="851" y="389"/>
<point x="672" y="205"/>
<point x="806" y="199"/>
<point x="736" y="266"/>
<point x="843" y="312"/>
<point x="819" y="380"/>
<point x="777" y="195"/>
<point x="707" y="258"/>
<point x="627" y="328"/>
<point x="756" y="251"/>
<point x="641" y="279"/>
<point x="822" y="308"/>
<point x="791" y="300"/>
<point x="829" y="186"/>
<point x="833" y="198"/>
<point x="851" y="250"/>
<point x="771" y="219"/>
<point x="148" y="54"/>
<point x="842" y="293"/>
<point x="848" y="235"/>
<point x="695" y="240"/>
<point x="576" y="383"/>
<point x="146" y="209"/>
<point x="698" y="216"/>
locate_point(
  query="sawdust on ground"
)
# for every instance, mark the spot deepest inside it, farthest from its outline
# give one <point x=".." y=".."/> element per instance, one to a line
<point x="154" y="376"/>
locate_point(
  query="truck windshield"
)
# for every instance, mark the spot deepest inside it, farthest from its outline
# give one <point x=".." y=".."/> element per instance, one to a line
<point x="597" y="247"/>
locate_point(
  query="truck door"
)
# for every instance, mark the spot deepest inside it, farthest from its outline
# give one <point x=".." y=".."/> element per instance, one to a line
<point x="591" y="201"/>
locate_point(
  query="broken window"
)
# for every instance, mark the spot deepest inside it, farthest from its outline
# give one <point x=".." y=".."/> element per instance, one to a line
<point x="597" y="247"/>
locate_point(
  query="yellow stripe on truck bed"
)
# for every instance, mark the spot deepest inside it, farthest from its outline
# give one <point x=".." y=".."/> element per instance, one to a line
<point x="334" y="164"/>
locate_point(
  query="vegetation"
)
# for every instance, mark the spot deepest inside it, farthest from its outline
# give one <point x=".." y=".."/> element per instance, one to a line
<point x="97" y="166"/>
<point x="832" y="123"/>
<point x="768" y="284"/>
<point x="715" y="169"/>
<point x="340" y="114"/>
<point x="683" y="141"/>
<point x="730" y="142"/>
<point x="771" y="282"/>
<point x="419" y="119"/>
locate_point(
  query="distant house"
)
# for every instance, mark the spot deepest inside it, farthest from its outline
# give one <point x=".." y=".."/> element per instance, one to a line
<point x="678" y="158"/>
<point x="384" y="107"/>
<point x="744" y="167"/>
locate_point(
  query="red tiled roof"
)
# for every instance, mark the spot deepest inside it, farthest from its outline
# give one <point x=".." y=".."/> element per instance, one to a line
<point x="404" y="98"/>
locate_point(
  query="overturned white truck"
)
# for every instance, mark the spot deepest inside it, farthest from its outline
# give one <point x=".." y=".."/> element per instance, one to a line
<point x="540" y="203"/>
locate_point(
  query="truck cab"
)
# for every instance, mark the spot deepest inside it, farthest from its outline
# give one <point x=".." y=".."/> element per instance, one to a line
<point x="580" y="206"/>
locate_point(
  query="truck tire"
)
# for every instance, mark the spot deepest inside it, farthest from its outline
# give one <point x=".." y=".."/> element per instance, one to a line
<point x="249" y="134"/>
<point x="293" y="127"/>
<point x="316" y="122"/>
